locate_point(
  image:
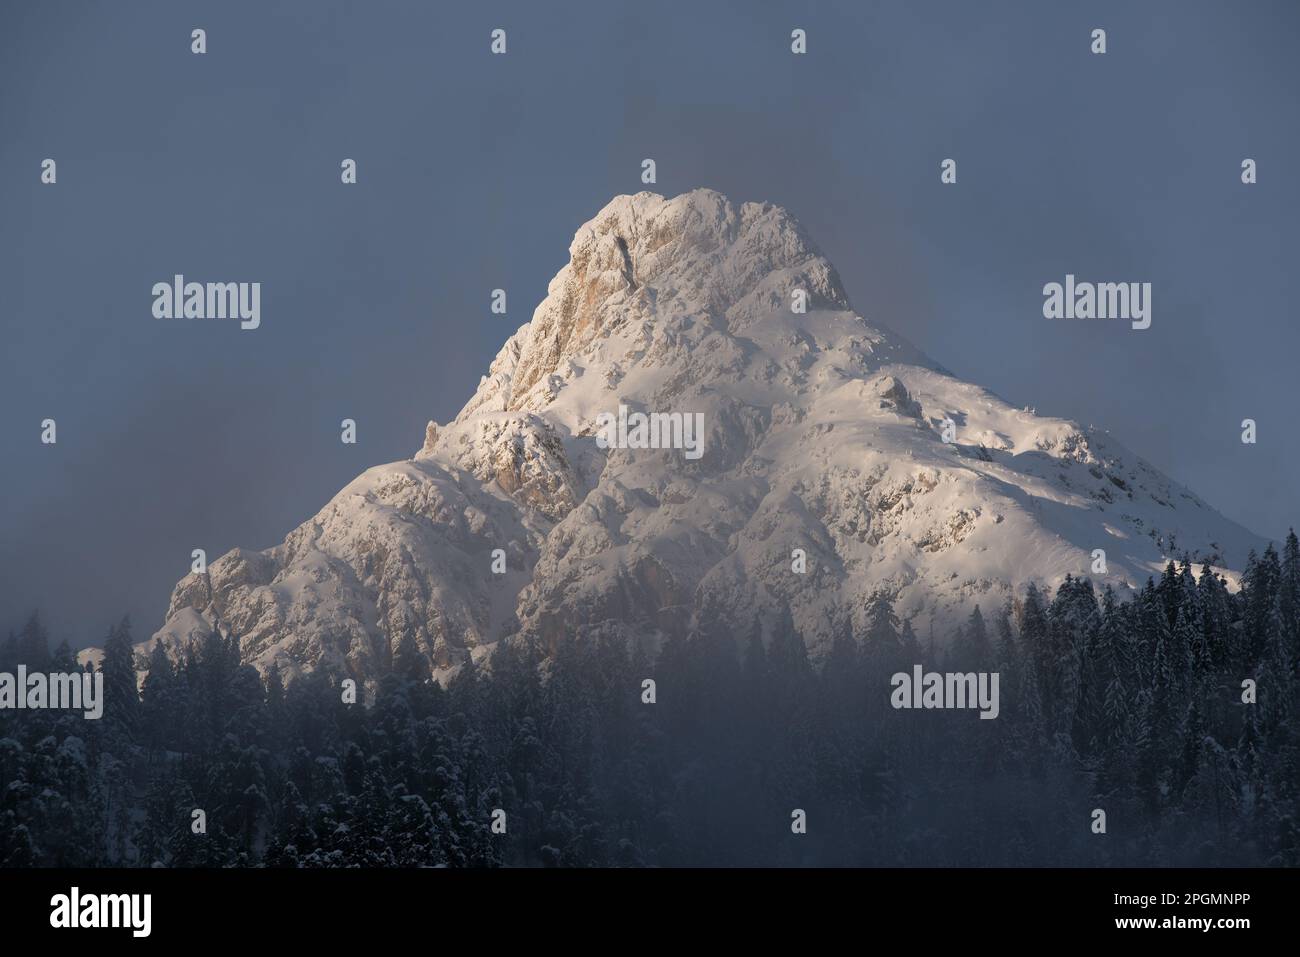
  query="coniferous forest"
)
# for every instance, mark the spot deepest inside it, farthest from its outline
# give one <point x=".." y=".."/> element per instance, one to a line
<point x="1138" y="709"/>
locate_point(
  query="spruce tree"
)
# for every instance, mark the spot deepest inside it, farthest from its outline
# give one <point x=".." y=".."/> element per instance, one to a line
<point x="121" y="697"/>
<point x="33" y="649"/>
<point x="979" y="650"/>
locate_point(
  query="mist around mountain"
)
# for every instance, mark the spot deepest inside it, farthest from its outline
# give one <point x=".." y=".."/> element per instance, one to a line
<point x="1169" y="721"/>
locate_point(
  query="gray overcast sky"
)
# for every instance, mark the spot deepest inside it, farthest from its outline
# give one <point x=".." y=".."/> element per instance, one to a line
<point x="475" y="170"/>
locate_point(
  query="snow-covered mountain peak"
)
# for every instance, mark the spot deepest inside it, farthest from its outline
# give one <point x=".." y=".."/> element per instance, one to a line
<point x="645" y="260"/>
<point x="832" y="460"/>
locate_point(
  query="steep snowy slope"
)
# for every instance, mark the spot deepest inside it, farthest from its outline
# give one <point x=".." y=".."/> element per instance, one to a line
<point x="821" y="432"/>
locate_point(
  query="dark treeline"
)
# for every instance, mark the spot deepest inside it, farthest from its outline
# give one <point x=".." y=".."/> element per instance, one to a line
<point x="1134" y="708"/>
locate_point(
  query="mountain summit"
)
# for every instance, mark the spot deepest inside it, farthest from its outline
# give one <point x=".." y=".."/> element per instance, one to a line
<point x="835" y="460"/>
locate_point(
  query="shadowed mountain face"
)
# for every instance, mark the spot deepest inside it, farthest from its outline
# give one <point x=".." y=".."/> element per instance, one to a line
<point x="695" y="431"/>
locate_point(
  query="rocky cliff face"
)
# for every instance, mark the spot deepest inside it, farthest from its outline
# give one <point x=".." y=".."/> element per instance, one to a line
<point x="823" y="436"/>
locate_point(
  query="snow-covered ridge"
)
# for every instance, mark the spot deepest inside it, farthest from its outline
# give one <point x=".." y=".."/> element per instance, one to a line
<point x="822" y="433"/>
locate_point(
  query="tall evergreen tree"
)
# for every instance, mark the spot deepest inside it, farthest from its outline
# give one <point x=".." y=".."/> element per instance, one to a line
<point x="33" y="647"/>
<point x="121" y="696"/>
